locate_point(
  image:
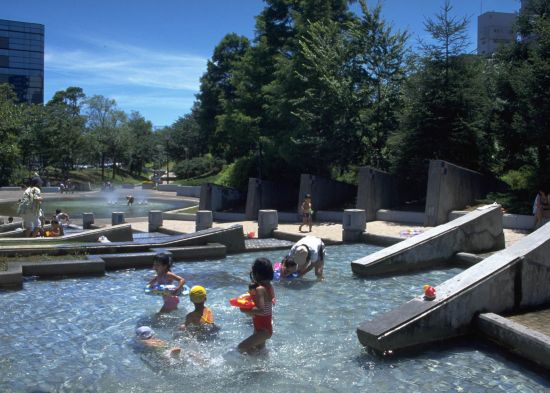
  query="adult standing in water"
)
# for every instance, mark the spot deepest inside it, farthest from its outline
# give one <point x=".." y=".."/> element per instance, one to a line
<point x="306" y="254"/>
<point x="29" y="207"/>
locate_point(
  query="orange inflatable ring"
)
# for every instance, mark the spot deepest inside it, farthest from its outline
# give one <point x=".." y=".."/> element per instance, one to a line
<point x="244" y="302"/>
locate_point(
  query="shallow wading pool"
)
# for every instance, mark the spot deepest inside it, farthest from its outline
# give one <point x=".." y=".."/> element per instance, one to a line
<point x="101" y="207"/>
<point x="77" y="335"/>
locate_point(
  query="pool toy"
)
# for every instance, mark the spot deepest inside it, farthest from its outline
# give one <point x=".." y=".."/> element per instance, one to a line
<point x="277" y="267"/>
<point x="410" y="232"/>
<point x="162" y="290"/>
<point x="429" y="292"/>
<point x="250" y="235"/>
<point x="244" y="301"/>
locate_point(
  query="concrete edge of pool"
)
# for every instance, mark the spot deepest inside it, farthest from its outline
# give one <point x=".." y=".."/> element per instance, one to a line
<point x="509" y="281"/>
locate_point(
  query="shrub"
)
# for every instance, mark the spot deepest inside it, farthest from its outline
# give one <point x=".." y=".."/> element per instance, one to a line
<point x="198" y="166"/>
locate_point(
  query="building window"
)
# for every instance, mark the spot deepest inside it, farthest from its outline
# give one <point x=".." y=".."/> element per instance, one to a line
<point x="4" y="61"/>
<point x="4" y="43"/>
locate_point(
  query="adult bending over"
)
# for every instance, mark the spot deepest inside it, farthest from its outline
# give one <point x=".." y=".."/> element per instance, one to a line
<point x="306" y="254"/>
<point x="29" y="207"/>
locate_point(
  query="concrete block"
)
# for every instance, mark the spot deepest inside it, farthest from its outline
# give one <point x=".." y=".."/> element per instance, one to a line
<point x="87" y="220"/>
<point x="518" y="338"/>
<point x="12" y="278"/>
<point x="354" y="223"/>
<point x="64" y="268"/>
<point x="409" y="217"/>
<point x="189" y="191"/>
<point x="155" y="220"/>
<point x="268" y="221"/>
<point x="451" y="187"/>
<point x="117" y="218"/>
<point x="376" y="190"/>
<point x="196" y="253"/>
<point x="511" y="280"/>
<point x="203" y="220"/>
<point x="477" y="232"/>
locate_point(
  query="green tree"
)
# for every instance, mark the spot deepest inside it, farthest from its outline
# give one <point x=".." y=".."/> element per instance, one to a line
<point x="521" y="119"/>
<point x="10" y="127"/>
<point x="139" y="149"/>
<point x="446" y="105"/>
<point x="104" y="125"/>
<point x="66" y="128"/>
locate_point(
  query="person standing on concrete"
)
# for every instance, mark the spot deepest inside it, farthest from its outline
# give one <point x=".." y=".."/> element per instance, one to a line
<point x="308" y="253"/>
<point x="29" y="207"/>
<point x="307" y="211"/>
<point x="541" y="207"/>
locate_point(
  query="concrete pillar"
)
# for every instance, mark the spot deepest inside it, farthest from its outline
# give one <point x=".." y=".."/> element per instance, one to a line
<point x="87" y="220"/>
<point x="155" y="220"/>
<point x="354" y="223"/>
<point x="268" y="221"/>
<point x="117" y="218"/>
<point x="203" y="220"/>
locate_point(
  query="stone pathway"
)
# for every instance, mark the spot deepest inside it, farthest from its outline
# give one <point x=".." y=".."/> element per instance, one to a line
<point x="536" y="320"/>
<point x="325" y="230"/>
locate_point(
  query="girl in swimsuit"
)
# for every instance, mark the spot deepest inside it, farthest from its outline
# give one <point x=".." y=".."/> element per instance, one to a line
<point x="162" y="264"/>
<point x="264" y="296"/>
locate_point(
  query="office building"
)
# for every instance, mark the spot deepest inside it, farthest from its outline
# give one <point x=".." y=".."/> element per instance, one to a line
<point x="493" y="30"/>
<point x="22" y="59"/>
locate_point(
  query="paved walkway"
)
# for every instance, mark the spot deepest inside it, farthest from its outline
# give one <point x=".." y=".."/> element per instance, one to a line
<point x="536" y="320"/>
<point x="325" y="230"/>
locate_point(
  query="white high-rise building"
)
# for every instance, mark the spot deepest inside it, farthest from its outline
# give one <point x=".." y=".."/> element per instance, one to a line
<point x="493" y="30"/>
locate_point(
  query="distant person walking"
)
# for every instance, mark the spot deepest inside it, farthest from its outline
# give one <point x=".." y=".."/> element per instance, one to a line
<point x="541" y="207"/>
<point x="29" y="207"/>
<point x="307" y="211"/>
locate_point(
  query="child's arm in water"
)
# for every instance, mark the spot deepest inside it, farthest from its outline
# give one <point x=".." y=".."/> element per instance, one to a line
<point x="180" y="280"/>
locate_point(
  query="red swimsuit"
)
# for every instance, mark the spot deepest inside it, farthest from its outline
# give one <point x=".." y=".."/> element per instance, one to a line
<point x="263" y="321"/>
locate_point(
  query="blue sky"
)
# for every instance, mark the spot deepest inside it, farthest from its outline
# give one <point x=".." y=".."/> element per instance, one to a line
<point x="149" y="55"/>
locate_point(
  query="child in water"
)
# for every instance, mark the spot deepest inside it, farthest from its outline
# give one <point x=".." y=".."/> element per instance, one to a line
<point x="201" y="315"/>
<point x="162" y="264"/>
<point x="263" y="296"/>
<point x="146" y="337"/>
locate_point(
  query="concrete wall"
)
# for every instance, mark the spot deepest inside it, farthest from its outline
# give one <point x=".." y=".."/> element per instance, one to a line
<point x="450" y="187"/>
<point x="521" y="340"/>
<point x="265" y="194"/>
<point x="509" y="221"/>
<point x="326" y="194"/>
<point x="511" y="280"/>
<point x="168" y="187"/>
<point x="376" y="190"/>
<point x="477" y="232"/>
<point x="409" y="217"/>
<point x="189" y="191"/>
<point x="216" y="198"/>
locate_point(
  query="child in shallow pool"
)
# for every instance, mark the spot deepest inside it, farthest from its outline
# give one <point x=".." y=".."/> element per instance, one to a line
<point x="201" y="315"/>
<point x="146" y="338"/>
<point x="263" y="296"/>
<point x="162" y="264"/>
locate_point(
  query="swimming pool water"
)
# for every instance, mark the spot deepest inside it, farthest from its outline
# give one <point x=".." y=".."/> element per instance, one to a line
<point x="101" y="207"/>
<point x="76" y="335"/>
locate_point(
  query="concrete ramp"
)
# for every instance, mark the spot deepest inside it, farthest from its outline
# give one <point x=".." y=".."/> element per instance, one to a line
<point x="511" y="280"/>
<point x="476" y="232"/>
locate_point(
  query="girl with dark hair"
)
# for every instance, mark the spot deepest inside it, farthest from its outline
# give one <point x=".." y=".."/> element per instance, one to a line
<point x="263" y="296"/>
<point x="162" y="264"/>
